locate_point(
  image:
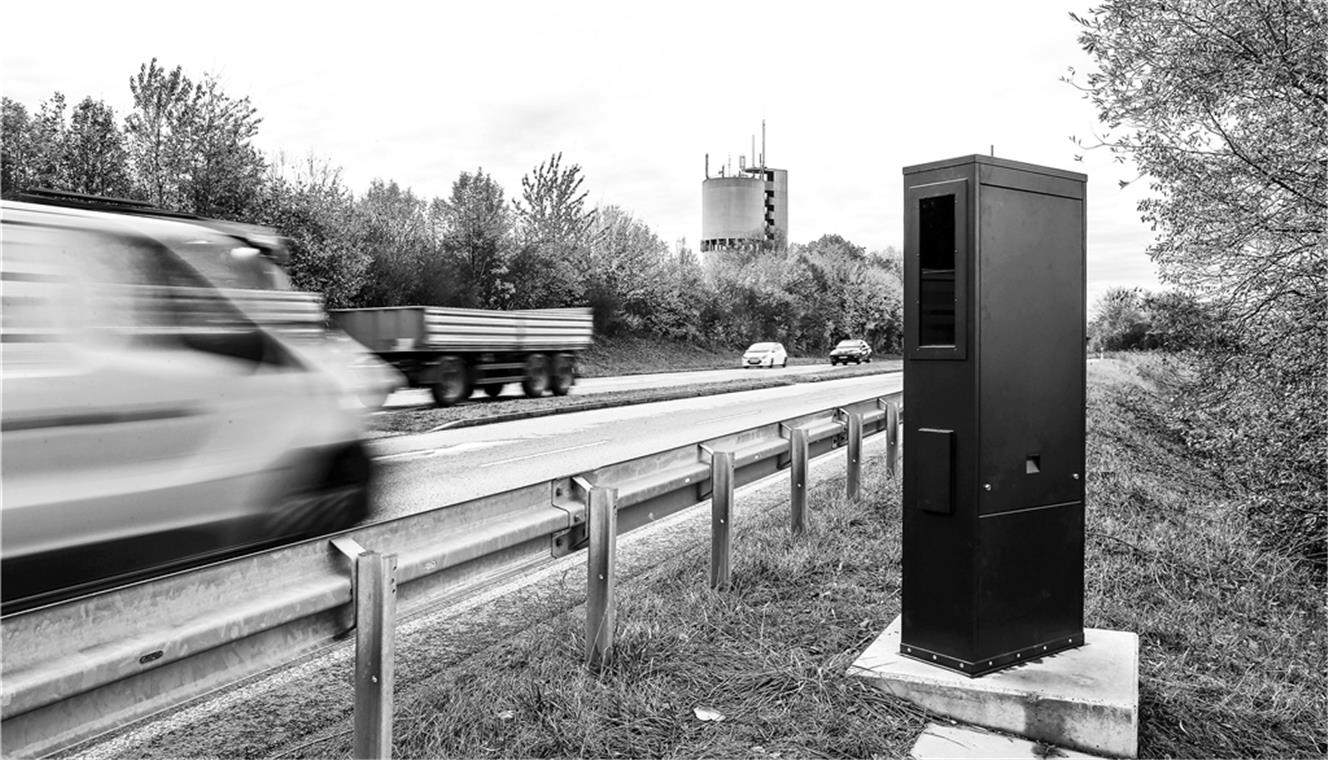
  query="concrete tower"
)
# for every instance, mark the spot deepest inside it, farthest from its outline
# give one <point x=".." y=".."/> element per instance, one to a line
<point x="745" y="208"/>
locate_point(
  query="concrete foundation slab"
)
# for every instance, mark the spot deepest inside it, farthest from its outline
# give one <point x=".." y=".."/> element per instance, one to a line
<point x="939" y="742"/>
<point x="1085" y="698"/>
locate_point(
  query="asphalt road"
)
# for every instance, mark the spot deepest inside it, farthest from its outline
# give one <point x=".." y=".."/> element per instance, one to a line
<point x="429" y="470"/>
<point x="588" y="386"/>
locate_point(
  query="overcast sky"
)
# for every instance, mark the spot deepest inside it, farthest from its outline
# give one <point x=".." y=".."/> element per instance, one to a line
<point x="636" y="93"/>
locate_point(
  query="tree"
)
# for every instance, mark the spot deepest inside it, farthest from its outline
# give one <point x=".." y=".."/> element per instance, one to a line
<point x="157" y="138"/>
<point x="190" y="145"/>
<point x="808" y="296"/>
<point x="316" y="213"/>
<point x="478" y="240"/>
<point x="682" y="301"/>
<point x="544" y="275"/>
<point x="1119" y="321"/>
<point x="835" y="245"/>
<point x="552" y="208"/>
<point x="880" y="298"/>
<point x="94" y="152"/>
<point x="890" y="260"/>
<point x="552" y="226"/>
<point x="15" y="147"/>
<point x="223" y="170"/>
<point x="393" y="227"/>
<point x="844" y="293"/>
<point x="85" y="154"/>
<point x="1221" y="106"/>
<point x="45" y="146"/>
<point x="1178" y="322"/>
<point x="1127" y="319"/>
<point x="621" y="270"/>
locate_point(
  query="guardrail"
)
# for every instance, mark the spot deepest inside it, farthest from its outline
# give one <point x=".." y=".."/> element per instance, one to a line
<point x="73" y="671"/>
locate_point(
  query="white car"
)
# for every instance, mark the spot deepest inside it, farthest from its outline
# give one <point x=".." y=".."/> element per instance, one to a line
<point x="147" y="422"/>
<point x="765" y="355"/>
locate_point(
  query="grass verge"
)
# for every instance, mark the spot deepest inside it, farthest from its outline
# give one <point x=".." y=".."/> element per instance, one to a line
<point x="769" y="656"/>
<point x="630" y="355"/>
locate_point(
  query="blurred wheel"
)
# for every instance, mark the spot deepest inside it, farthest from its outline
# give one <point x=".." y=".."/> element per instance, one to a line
<point x="537" y="376"/>
<point x="372" y="400"/>
<point x="561" y="376"/>
<point x="492" y="390"/>
<point x="335" y="495"/>
<point x="453" y="384"/>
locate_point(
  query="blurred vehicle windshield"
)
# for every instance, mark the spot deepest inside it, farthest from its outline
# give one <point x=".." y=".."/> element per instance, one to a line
<point x="227" y="263"/>
<point x="761" y="347"/>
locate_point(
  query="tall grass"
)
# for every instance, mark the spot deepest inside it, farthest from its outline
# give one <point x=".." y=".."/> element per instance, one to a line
<point x="1232" y="635"/>
<point x="770" y="656"/>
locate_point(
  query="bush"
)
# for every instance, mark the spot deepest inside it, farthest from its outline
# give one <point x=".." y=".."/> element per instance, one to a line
<point x="1264" y="420"/>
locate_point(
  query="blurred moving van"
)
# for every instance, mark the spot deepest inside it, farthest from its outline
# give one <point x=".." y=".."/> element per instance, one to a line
<point x="252" y="276"/>
<point x="147" y="421"/>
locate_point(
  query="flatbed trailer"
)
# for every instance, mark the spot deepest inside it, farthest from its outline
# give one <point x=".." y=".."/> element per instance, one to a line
<point x="454" y="351"/>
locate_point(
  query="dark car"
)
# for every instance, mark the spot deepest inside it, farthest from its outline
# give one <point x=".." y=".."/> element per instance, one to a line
<point x="856" y="351"/>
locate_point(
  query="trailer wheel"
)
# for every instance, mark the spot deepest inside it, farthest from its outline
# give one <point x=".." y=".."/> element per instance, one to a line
<point x="453" y="385"/>
<point x="493" y="390"/>
<point x="537" y="376"/>
<point x="561" y="376"/>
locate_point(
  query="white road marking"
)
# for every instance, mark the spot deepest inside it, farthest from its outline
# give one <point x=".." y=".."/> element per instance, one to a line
<point x="729" y="416"/>
<point x="455" y="448"/>
<point x="409" y="455"/>
<point x="544" y="453"/>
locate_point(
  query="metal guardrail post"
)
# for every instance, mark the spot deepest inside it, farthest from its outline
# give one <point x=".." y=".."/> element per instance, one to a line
<point x="854" y="468"/>
<point x="375" y="625"/>
<point x="721" y="516"/>
<point x="892" y="439"/>
<point x="798" y="449"/>
<point x="600" y="612"/>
